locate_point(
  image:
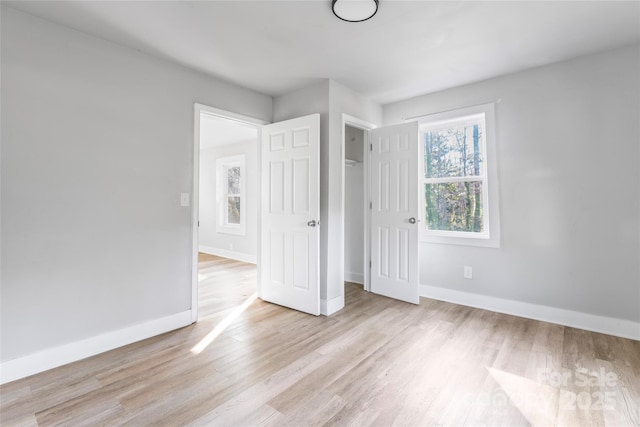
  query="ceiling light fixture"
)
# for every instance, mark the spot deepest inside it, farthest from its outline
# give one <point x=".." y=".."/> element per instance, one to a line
<point x="354" y="10"/>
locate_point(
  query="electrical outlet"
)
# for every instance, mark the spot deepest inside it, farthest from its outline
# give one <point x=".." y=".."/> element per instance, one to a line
<point x="468" y="272"/>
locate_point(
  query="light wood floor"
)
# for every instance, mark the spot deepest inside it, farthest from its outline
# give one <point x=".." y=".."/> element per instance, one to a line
<point x="377" y="362"/>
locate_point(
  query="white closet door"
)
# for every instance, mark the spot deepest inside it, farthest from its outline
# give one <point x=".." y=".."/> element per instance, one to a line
<point x="394" y="212"/>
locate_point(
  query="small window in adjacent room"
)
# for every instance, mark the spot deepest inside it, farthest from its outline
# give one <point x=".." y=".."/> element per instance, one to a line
<point x="231" y="194"/>
<point x="459" y="180"/>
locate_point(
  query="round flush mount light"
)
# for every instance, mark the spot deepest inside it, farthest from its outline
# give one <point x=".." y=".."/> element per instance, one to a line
<point x="354" y="10"/>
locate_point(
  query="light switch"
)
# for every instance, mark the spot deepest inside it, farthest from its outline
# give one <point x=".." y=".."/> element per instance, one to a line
<point x="184" y="199"/>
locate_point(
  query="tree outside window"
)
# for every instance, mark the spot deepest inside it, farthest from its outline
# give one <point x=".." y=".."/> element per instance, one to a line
<point x="454" y="176"/>
<point x="459" y="174"/>
<point x="231" y="194"/>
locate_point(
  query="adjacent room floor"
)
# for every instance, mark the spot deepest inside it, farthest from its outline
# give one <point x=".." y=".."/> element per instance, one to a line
<point x="377" y="362"/>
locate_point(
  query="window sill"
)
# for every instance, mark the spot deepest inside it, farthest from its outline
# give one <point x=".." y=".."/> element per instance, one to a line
<point x="240" y="231"/>
<point x="462" y="241"/>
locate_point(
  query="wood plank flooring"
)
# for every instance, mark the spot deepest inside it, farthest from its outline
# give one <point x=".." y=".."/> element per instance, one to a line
<point x="377" y="362"/>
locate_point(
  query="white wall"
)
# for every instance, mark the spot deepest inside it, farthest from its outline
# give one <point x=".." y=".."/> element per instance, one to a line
<point x="243" y="248"/>
<point x="568" y="141"/>
<point x="96" y="148"/>
<point x="354" y="207"/>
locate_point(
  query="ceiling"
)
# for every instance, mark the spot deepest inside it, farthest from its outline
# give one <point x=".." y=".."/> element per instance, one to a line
<point x="408" y="48"/>
<point x="216" y="131"/>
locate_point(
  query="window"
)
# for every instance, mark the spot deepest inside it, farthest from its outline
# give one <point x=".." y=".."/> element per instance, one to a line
<point x="459" y="178"/>
<point x="231" y="194"/>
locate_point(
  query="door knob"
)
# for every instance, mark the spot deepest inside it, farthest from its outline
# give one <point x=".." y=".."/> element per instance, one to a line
<point x="313" y="223"/>
<point x="412" y="220"/>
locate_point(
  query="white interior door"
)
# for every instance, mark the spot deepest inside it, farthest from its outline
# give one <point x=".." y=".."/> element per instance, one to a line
<point x="290" y="208"/>
<point x="394" y="212"/>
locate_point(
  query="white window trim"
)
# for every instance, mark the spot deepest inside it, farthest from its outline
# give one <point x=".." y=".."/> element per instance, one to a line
<point x="222" y="165"/>
<point x="491" y="212"/>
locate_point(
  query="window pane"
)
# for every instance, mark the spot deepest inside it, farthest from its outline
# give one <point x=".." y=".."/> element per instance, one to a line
<point x="454" y="206"/>
<point x="233" y="181"/>
<point x="233" y="210"/>
<point x="454" y="151"/>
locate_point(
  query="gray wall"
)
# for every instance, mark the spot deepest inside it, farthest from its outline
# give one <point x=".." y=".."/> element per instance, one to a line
<point x="310" y="100"/>
<point x="247" y="244"/>
<point x="96" y="148"/>
<point x="568" y="141"/>
<point x="331" y="100"/>
<point x="343" y="101"/>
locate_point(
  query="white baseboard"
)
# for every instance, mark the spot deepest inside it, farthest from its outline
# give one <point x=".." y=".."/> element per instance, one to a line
<point x="352" y="277"/>
<point x="238" y="256"/>
<point x="52" y="358"/>
<point x="590" y="322"/>
<point x="331" y="306"/>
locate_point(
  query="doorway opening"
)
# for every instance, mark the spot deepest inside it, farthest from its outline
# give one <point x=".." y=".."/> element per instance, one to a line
<point x="355" y="201"/>
<point x="225" y="196"/>
<point x="354" y="205"/>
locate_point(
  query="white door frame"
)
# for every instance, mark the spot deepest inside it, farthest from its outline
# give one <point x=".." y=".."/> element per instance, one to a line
<point x="366" y="127"/>
<point x="205" y="109"/>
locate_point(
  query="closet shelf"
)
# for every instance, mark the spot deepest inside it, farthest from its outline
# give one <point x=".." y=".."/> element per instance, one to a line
<point x="351" y="163"/>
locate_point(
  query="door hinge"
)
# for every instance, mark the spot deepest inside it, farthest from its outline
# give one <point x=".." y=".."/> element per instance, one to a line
<point x="370" y="147"/>
<point x="369" y="264"/>
<point x="370" y="205"/>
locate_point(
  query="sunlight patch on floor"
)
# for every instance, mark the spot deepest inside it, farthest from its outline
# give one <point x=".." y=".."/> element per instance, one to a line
<point x="538" y="403"/>
<point x="220" y="327"/>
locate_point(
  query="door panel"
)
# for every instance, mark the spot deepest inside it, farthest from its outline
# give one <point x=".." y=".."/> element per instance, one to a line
<point x="290" y="247"/>
<point x="394" y="192"/>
